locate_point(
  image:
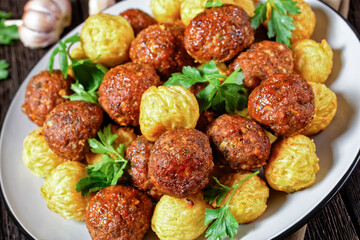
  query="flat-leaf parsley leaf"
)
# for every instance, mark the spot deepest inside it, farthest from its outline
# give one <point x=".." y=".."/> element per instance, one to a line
<point x="4" y="72"/>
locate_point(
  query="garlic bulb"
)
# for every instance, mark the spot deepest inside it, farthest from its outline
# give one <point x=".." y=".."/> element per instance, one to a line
<point x="96" y="6"/>
<point x="44" y="21"/>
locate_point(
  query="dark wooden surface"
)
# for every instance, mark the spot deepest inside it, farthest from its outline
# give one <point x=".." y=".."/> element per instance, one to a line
<point x="339" y="219"/>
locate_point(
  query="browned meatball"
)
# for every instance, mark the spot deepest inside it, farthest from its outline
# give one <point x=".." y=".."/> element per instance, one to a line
<point x="121" y="90"/>
<point x="161" y="46"/>
<point x="283" y="103"/>
<point x="218" y="34"/>
<point x="262" y="60"/>
<point x="138" y="154"/>
<point x="180" y="162"/>
<point x="138" y="19"/>
<point x="118" y="212"/>
<point x="242" y="142"/>
<point x="206" y="117"/>
<point x="69" y="126"/>
<point x="43" y="92"/>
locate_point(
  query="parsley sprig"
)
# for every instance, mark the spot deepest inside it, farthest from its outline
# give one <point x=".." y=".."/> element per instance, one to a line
<point x="225" y="224"/>
<point x="88" y="74"/>
<point x="4" y="72"/>
<point x="279" y="24"/>
<point x="213" y="3"/>
<point x="221" y="97"/>
<point x="7" y="33"/>
<point x="110" y="169"/>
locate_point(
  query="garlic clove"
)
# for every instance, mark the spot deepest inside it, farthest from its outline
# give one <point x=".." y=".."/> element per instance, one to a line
<point x="43" y="6"/>
<point x="39" y="21"/>
<point x="96" y="6"/>
<point x="65" y="8"/>
<point x="34" y="39"/>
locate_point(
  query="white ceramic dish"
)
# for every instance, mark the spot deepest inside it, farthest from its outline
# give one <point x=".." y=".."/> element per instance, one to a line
<point x="337" y="147"/>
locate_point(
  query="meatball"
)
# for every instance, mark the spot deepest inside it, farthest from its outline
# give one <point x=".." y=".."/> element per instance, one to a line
<point x="138" y="154"/>
<point x="43" y="92"/>
<point x="262" y="60"/>
<point x="138" y="19"/>
<point x="206" y="117"/>
<point x="118" y="212"/>
<point x="121" y="90"/>
<point x="161" y="46"/>
<point x="180" y="162"/>
<point x="283" y="103"/>
<point x="242" y="142"/>
<point x="69" y="126"/>
<point x="218" y="34"/>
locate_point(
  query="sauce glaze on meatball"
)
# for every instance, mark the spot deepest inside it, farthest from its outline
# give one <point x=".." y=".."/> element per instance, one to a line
<point x="138" y="19"/>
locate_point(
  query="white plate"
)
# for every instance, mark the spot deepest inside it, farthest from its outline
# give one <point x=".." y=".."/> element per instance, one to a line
<point x="337" y="147"/>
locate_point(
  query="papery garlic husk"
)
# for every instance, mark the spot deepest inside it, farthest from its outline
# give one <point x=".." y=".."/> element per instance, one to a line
<point x="96" y="6"/>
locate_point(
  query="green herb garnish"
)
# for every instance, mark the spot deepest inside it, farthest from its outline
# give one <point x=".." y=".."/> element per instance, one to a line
<point x="279" y="24"/>
<point x="7" y="33"/>
<point x="225" y="224"/>
<point x="88" y="74"/>
<point x="211" y="3"/>
<point x="226" y="97"/>
<point x="4" y="72"/>
<point x="109" y="170"/>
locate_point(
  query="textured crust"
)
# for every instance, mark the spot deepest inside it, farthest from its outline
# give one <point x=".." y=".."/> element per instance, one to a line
<point x="218" y="34"/>
<point x="69" y="126"/>
<point x="282" y="103"/>
<point x="118" y="212"/>
<point x="138" y="19"/>
<point x="121" y="90"/>
<point x="180" y="162"/>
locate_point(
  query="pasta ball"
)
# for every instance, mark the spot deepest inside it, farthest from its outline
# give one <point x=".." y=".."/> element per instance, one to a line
<point x="312" y="60"/>
<point x="163" y="108"/>
<point x="165" y="11"/>
<point x="59" y="191"/>
<point x="304" y="22"/>
<point x="180" y="218"/>
<point x="292" y="165"/>
<point x="249" y="200"/>
<point x="107" y="36"/>
<point x="190" y="8"/>
<point x="37" y="155"/>
<point x="325" y="109"/>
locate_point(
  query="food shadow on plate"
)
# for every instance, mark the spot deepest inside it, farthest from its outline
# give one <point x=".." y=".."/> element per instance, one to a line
<point x="325" y="139"/>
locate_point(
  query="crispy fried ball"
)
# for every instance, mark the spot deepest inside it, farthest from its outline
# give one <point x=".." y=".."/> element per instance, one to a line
<point x="138" y="154"/>
<point x="180" y="219"/>
<point x="125" y="136"/>
<point x="43" y="92"/>
<point x="138" y="19"/>
<point x="59" y="191"/>
<point x="312" y="60"/>
<point x="118" y="212"/>
<point x="37" y="155"/>
<point x="190" y="8"/>
<point x="249" y="200"/>
<point x="292" y="165"/>
<point x="304" y="22"/>
<point x="107" y="37"/>
<point x="181" y="162"/>
<point x="163" y="108"/>
<point x="121" y="90"/>
<point x="218" y="34"/>
<point x="165" y="11"/>
<point x="242" y="142"/>
<point x="325" y="109"/>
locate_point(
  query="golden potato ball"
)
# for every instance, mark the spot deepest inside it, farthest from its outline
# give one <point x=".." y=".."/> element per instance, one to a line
<point x="167" y="107"/>
<point x="37" y="155"/>
<point x="249" y="201"/>
<point x="107" y="37"/>
<point x="59" y="191"/>
<point x="304" y="22"/>
<point x="165" y="11"/>
<point x="325" y="109"/>
<point x="180" y="218"/>
<point x="125" y="136"/>
<point x="190" y="8"/>
<point x="312" y="60"/>
<point x="292" y="165"/>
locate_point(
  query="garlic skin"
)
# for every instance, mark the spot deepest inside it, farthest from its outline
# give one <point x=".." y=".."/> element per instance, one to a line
<point x="96" y="6"/>
<point x="44" y="21"/>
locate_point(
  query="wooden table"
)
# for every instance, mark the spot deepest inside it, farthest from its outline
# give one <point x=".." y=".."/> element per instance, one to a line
<point x="339" y="219"/>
